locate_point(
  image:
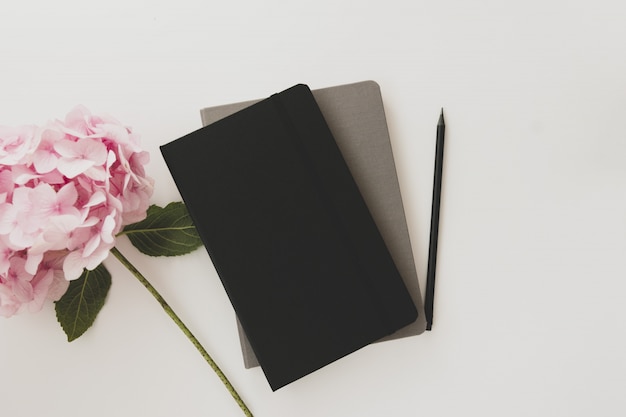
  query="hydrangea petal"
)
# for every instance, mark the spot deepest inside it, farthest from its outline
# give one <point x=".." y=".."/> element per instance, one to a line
<point x="41" y="285"/>
<point x="32" y="262"/>
<point x="8" y="218"/>
<point x="73" y="266"/>
<point x="71" y="168"/>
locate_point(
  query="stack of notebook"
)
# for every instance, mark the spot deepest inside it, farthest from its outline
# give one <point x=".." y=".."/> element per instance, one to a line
<point x="297" y="202"/>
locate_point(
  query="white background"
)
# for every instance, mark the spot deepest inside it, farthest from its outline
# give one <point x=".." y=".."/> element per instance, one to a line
<point x="530" y="312"/>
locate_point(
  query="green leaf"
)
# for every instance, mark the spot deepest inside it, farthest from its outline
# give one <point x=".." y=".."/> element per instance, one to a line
<point x="79" y="306"/>
<point x="166" y="231"/>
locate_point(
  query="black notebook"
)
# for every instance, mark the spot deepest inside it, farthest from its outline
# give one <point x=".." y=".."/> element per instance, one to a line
<point x="291" y="238"/>
<point x="356" y="117"/>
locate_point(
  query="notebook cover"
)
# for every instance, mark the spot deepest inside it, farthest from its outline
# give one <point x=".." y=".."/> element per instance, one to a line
<point x="356" y="117"/>
<point x="296" y="249"/>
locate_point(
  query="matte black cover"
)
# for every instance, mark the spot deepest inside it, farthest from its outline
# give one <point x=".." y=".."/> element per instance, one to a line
<point x="290" y="236"/>
<point x="356" y="117"/>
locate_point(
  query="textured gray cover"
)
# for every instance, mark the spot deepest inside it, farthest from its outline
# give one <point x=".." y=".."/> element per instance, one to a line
<point x="356" y="117"/>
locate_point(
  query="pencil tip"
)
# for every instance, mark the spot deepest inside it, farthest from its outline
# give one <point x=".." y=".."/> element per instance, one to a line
<point x="441" y="117"/>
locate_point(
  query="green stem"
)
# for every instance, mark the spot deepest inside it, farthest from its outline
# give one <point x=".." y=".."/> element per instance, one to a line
<point x="182" y="327"/>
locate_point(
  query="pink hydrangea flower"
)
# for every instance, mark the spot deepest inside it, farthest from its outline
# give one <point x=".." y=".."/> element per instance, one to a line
<point x="66" y="190"/>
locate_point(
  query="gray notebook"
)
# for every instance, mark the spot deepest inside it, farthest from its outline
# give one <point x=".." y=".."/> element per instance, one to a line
<point x="356" y="117"/>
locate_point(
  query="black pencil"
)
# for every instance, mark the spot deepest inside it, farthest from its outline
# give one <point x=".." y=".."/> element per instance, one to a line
<point x="429" y="299"/>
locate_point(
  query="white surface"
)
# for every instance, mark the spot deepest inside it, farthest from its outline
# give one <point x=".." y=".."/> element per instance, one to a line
<point x="529" y="316"/>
